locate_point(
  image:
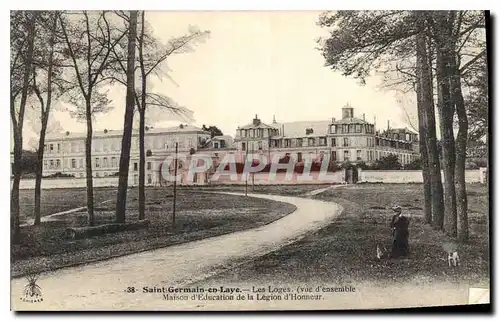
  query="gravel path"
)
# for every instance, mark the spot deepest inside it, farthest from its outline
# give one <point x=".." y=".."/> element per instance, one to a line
<point x="103" y="285"/>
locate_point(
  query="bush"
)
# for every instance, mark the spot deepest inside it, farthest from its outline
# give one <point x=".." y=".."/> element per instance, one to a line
<point x="59" y="175"/>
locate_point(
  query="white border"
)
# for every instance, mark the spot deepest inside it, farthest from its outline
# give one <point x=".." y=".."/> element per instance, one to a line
<point x="189" y="5"/>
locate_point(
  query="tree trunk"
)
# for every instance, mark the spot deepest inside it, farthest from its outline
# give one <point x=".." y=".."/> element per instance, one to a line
<point x="142" y="120"/>
<point x="428" y="117"/>
<point x="461" y="150"/>
<point x="44" y="114"/>
<point x="14" y="195"/>
<point x="446" y="109"/>
<point x="88" y="164"/>
<point x="422" y="131"/>
<point x="18" y="131"/>
<point x="39" y="169"/>
<point x="142" y="162"/>
<point x="121" y="200"/>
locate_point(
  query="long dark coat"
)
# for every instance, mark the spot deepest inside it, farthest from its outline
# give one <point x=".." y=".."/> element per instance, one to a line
<point x="400" y="244"/>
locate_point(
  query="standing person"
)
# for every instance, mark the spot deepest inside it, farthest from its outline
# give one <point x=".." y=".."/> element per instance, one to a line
<point x="400" y="233"/>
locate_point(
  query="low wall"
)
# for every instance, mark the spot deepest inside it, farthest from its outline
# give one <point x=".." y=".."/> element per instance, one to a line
<point x="280" y="179"/>
<point x="402" y="176"/>
<point x="49" y="183"/>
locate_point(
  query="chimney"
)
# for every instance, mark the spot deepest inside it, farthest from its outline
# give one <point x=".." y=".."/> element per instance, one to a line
<point x="256" y="121"/>
<point x="363" y="116"/>
<point x="274" y="119"/>
<point x="388" y="125"/>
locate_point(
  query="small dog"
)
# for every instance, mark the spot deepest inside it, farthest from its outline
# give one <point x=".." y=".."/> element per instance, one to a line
<point x="453" y="258"/>
<point x="451" y="249"/>
<point x="382" y="254"/>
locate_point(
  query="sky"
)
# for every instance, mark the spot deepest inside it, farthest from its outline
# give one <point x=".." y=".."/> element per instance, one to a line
<point x="263" y="63"/>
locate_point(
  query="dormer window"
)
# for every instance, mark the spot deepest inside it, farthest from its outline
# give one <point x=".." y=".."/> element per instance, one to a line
<point x="309" y="131"/>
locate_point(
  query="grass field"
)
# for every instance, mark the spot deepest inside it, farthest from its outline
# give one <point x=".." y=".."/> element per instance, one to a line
<point x="345" y="251"/>
<point x="198" y="215"/>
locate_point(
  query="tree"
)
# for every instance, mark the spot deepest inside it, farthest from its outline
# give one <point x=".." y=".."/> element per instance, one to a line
<point x="22" y="38"/>
<point x="389" y="162"/>
<point x="214" y="131"/>
<point x="47" y="64"/>
<point x="363" y="41"/>
<point x="151" y="55"/>
<point x="90" y="39"/>
<point x="121" y="199"/>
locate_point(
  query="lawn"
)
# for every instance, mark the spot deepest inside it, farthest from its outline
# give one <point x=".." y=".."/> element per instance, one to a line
<point x="198" y="215"/>
<point x="345" y="251"/>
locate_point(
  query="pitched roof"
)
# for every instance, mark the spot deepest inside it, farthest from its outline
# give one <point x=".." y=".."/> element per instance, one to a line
<point x="349" y="120"/>
<point x="113" y="132"/>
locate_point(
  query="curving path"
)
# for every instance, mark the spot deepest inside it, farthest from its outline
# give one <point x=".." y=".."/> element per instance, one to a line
<point x="102" y="285"/>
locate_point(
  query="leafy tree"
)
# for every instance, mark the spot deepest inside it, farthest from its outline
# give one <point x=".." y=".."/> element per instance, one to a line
<point x="389" y="162"/>
<point x="214" y="130"/>
<point x="415" y="164"/>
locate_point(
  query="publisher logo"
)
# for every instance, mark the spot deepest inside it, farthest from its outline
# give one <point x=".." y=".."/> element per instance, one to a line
<point x="32" y="291"/>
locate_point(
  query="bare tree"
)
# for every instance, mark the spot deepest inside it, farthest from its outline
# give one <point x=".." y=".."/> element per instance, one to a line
<point x="151" y="55"/>
<point x="90" y="39"/>
<point x="47" y="64"/>
<point x="23" y="30"/>
<point x="121" y="199"/>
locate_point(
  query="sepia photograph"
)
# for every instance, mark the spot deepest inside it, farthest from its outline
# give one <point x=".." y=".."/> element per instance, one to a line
<point x="328" y="160"/>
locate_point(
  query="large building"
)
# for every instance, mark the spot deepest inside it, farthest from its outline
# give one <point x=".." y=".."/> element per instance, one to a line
<point x="348" y="139"/>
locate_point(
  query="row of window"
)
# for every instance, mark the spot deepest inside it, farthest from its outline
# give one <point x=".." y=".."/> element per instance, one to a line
<point x="111" y="145"/>
<point x="352" y="128"/>
<point x="258" y="132"/>
<point x="80" y="163"/>
<point x="322" y="141"/>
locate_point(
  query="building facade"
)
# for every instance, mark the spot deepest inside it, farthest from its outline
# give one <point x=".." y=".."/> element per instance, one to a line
<point x="348" y="139"/>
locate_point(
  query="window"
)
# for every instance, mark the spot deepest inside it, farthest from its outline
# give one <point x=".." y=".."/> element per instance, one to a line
<point x="299" y="142"/>
<point x="45" y="164"/>
<point x="149" y="165"/>
<point x="97" y="162"/>
<point x="113" y="162"/>
<point x="322" y="141"/>
<point x="73" y="163"/>
<point x="334" y="142"/>
<point x="358" y="128"/>
<point x="150" y="180"/>
<point x="51" y="148"/>
<point x="81" y="175"/>
<point x="97" y="174"/>
<point x="346" y="155"/>
<point x="58" y="147"/>
<point x="243" y="146"/>
<point x="346" y="142"/>
<point x="299" y="157"/>
<point x="58" y="163"/>
<point x="216" y="144"/>
<point x="51" y="163"/>
<point x="334" y="156"/>
<point x="135" y="167"/>
<point x="345" y="129"/>
<point x="358" y="154"/>
<point x="333" y="129"/>
<point x="310" y="142"/>
<point x="260" y="145"/>
<point x="105" y="162"/>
